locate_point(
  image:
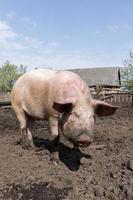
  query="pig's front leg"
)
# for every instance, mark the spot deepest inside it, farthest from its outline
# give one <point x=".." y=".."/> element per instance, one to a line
<point x="54" y="139"/>
<point x="54" y="129"/>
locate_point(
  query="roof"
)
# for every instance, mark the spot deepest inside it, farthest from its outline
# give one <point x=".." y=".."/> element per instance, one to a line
<point x="107" y="76"/>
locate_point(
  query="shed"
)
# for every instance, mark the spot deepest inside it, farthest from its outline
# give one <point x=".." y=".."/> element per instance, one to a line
<point x="105" y="77"/>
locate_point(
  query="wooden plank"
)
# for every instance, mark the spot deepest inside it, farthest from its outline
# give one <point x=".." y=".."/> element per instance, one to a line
<point x="6" y="107"/>
<point x="5" y="99"/>
<point x="5" y="103"/>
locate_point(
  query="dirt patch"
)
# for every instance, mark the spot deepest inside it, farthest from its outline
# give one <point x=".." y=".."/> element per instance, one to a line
<point x="90" y="173"/>
<point x="34" y="191"/>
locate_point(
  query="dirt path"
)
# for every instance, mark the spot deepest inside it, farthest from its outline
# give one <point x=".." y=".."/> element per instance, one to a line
<point x="98" y="174"/>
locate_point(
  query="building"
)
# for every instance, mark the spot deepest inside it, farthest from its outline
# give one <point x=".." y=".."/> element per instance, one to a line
<point x="107" y="77"/>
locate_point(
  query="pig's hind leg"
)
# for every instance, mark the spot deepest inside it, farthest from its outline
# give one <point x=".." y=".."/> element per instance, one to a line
<point x="26" y="136"/>
<point x="29" y="136"/>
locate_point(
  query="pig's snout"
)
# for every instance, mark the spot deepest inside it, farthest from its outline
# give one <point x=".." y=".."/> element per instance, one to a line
<point x="84" y="140"/>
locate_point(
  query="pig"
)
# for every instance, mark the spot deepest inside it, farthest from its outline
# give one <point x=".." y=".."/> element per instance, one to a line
<point x="62" y="98"/>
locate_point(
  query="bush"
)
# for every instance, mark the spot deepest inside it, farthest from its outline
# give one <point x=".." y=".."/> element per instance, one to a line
<point x="127" y="72"/>
<point x="9" y="73"/>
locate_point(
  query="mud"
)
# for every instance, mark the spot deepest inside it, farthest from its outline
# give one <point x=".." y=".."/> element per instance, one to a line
<point x="102" y="172"/>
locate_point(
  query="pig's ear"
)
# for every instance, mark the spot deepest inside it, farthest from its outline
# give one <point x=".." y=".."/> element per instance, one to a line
<point x="103" y="109"/>
<point x="65" y="106"/>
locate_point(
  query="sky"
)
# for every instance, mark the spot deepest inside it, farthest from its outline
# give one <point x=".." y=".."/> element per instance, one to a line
<point x="63" y="34"/>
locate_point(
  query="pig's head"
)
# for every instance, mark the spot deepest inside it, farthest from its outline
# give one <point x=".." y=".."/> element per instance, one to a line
<point x="77" y="119"/>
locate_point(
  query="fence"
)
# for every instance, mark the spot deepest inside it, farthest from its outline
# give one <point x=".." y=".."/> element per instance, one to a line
<point x="116" y="98"/>
<point x="124" y="99"/>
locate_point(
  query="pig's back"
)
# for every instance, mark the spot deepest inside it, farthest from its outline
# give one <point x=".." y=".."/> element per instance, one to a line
<point x="35" y="75"/>
<point x="45" y="76"/>
<point x="43" y="82"/>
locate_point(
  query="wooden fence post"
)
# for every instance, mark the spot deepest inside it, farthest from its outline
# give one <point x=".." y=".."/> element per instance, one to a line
<point x="132" y="97"/>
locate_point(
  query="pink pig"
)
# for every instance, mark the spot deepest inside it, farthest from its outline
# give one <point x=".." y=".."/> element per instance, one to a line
<point x="62" y="98"/>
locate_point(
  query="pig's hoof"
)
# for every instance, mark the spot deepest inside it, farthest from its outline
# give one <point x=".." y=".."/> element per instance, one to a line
<point x="55" y="141"/>
<point x="25" y="147"/>
<point x="37" y="149"/>
<point x="53" y="147"/>
<point x="55" y="158"/>
<point x="28" y="146"/>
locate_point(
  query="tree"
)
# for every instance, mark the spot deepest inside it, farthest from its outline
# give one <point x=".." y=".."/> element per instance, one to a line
<point x="127" y="72"/>
<point x="22" y="69"/>
<point x="9" y="73"/>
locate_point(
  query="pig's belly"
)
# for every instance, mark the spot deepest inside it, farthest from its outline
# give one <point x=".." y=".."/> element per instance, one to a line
<point x="36" y="112"/>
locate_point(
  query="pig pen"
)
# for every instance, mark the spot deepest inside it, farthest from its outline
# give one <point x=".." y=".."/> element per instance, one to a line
<point x="91" y="173"/>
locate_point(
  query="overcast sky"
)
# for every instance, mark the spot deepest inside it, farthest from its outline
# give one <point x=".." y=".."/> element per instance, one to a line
<point x="66" y="33"/>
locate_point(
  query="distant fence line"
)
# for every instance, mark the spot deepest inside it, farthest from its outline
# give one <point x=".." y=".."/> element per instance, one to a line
<point x="120" y="99"/>
<point x="116" y="98"/>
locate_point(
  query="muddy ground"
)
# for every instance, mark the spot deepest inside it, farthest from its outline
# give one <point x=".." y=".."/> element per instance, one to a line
<point x="91" y="173"/>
